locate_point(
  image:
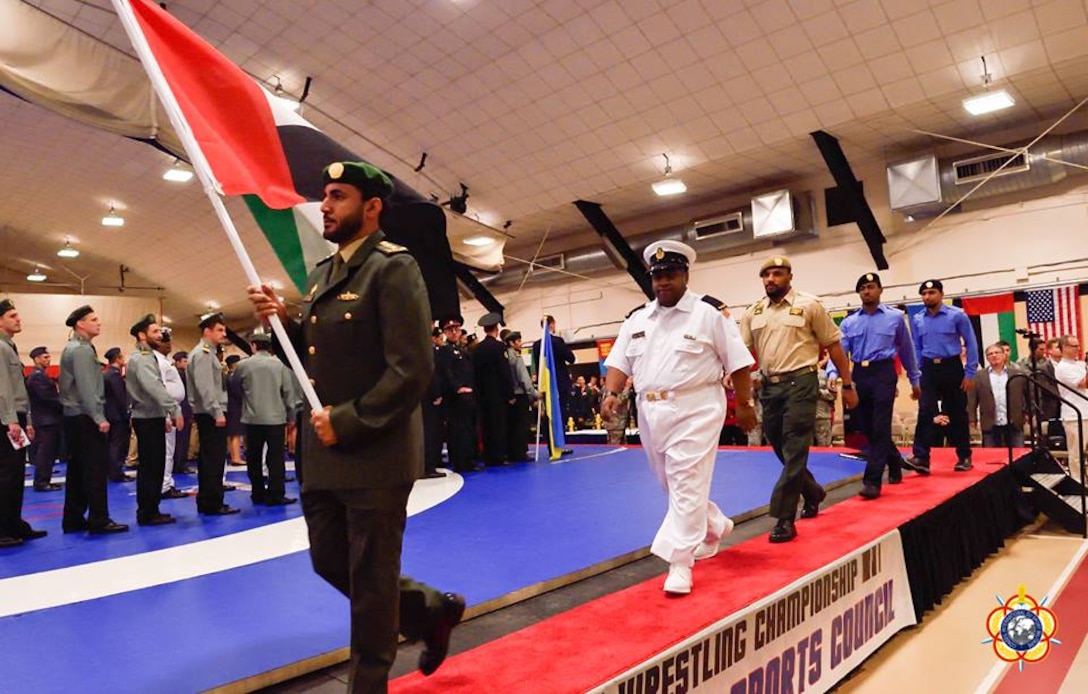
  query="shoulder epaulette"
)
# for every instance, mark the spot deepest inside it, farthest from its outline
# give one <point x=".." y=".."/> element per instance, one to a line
<point x="635" y="310"/>
<point x="716" y="303"/>
<point x="390" y="248"/>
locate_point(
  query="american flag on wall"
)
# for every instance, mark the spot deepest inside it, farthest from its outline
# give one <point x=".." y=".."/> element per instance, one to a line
<point x="1054" y="312"/>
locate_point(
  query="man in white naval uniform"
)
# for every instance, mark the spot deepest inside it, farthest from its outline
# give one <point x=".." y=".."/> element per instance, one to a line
<point x="678" y="348"/>
<point x="175" y="385"/>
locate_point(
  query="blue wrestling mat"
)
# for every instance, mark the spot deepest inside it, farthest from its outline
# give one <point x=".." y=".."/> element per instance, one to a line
<point x="211" y="601"/>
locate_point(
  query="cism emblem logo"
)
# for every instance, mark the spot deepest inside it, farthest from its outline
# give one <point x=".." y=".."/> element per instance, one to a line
<point x="1022" y="629"/>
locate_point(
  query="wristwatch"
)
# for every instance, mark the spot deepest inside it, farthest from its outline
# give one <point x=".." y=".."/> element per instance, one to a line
<point x="847" y="386"/>
<point x="610" y="393"/>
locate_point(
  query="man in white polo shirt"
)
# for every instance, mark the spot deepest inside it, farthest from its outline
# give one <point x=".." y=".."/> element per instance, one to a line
<point x="1072" y="373"/>
<point x="678" y="348"/>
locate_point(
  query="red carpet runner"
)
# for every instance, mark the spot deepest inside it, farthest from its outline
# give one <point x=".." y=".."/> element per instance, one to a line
<point x="585" y="647"/>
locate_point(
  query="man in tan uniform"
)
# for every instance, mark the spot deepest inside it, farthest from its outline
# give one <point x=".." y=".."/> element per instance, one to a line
<point x="785" y="330"/>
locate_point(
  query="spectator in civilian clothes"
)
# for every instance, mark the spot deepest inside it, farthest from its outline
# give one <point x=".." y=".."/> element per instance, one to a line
<point x="117" y="415"/>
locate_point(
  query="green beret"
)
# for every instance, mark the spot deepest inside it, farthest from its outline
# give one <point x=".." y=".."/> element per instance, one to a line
<point x="6" y="305"/>
<point x="143" y="324"/>
<point x="367" y="178"/>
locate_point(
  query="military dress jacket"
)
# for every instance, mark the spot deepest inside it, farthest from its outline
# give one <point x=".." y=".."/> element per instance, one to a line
<point x="364" y="339"/>
<point x="13" y="397"/>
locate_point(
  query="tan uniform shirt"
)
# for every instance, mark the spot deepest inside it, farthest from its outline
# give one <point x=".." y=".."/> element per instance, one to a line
<point x="788" y="335"/>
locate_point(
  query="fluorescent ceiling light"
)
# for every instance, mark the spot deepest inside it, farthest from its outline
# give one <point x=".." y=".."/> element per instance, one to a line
<point x="36" y="276"/>
<point x="988" y="102"/>
<point x="670" y="186"/>
<point x="67" y="251"/>
<point x="178" y="173"/>
<point x="113" y="219"/>
<point x="478" y="241"/>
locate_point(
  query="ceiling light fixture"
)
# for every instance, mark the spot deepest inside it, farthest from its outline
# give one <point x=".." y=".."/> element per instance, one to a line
<point x="67" y="251"/>
<point x="36" y="276"/>
<point x="113" y="219"/>
<point x="280" y="93"/>
<point x="990" y="101"/>
<point x="478" y="241"/>
<point x="178" y="173"/>
<point x="670" y="185"/>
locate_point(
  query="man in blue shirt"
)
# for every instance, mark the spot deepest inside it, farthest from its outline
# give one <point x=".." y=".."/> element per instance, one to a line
<point x="872" y="337"/>
<point x="940" y="334"/>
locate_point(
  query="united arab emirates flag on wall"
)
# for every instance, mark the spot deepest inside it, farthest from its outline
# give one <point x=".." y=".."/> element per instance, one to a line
<point x="993" y="319"/>
<point x="257" y="147"/>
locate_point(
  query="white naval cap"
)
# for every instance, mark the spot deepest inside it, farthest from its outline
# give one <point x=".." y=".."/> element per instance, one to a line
<point x="668" y="255"/>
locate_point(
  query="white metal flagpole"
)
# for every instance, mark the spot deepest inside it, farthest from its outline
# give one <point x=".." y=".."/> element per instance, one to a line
<point x="207" y="180"/>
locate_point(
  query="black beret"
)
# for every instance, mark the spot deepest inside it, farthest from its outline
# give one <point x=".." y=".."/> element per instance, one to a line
<point x="38" y="351"/>
<point x="490" y="320"/>
<point x="6" y="305"/>
<point x="210" y="319"/>
<point x="436" y="332"/>
<point x="866" y="279"/>
<point x="78" y="315"/>
<point x="233" y="359"/>
<point x="514" y="336"/>
<point x="112" y="353"/>
<point x="261" y="339"/>
<point x="178" y="356"/>
<point x="142" y="325"/>
<point x="931" y="284"/>
<point x="367" y="178"/>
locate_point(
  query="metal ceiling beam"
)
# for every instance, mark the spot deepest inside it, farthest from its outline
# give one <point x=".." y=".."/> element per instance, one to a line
<point x="613" y="240"/>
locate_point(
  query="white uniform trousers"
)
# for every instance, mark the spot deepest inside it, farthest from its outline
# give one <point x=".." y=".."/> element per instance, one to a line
<point x="1074" y="447"/>
<point x="168" y="475"/>
<point x="680" y="436"/>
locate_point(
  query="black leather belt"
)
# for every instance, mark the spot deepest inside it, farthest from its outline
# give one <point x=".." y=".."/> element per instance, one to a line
<point x="871" y="362"/>
<point x="778" y="378"/>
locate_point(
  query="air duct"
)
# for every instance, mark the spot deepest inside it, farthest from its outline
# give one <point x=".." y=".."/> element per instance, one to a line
<point x="711" y="236"/>
<point x="914" y="188"/>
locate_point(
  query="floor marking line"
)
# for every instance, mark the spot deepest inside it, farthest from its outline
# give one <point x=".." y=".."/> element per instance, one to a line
<point x="561" y="461"/>
<point x="82" y="582"/>
<point x="993" y="677"/>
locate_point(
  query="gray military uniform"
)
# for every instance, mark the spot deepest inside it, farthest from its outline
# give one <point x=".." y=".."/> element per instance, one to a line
<point x="83" y="398"/>
<point x="13" y="397"/>
<point x="270" y="395"/>
<point x="82" y="390"/>
<point x="148" y="397"/>
<point x="207" y="392"/>
<point x="14" y="405"/>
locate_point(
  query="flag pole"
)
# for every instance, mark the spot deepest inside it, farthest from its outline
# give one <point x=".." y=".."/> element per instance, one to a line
<point x="540" y="387"/>
<point x="207" y="180"/>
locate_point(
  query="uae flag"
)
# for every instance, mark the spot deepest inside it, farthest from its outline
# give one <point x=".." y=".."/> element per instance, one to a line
<point x="258" y="147"/>
<point x="994" y="319"/>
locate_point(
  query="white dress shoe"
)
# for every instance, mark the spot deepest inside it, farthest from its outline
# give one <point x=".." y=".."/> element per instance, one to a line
<point x="707" y="550"/>
<point x="679" y="580"/>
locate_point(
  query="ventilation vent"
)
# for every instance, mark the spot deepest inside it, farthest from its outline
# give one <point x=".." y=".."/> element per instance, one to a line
<point x="719" y="226"/>
<point x="977" y="168"/>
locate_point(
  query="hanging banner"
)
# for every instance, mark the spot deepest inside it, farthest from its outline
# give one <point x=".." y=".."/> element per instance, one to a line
<point x="804" y="638"/>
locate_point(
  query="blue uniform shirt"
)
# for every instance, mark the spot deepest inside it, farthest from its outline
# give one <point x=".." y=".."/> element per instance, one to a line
<point x="937" y="336"/>
<point x="880" y="335"/>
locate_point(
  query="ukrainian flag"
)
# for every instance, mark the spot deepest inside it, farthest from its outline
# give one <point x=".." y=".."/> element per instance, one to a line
<point x="550" y="390"/>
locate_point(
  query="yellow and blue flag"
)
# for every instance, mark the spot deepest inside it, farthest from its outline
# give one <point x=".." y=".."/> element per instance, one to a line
<point x="550" y="390"/>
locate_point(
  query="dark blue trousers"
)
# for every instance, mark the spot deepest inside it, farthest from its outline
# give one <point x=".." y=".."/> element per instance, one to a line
<point x="875" y="384"/>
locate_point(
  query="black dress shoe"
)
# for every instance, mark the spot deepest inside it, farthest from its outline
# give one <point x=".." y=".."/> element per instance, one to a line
<point x="281" y="501"/>
<point x="895" y="477"/>
<point x="107" y="528"/>
<point x="174" y="493"/>
<point x="157" y="519"/>
<point x="437" y="642"/>
<point x="868" y="491"/>
<point x="917" y="464"/>
<point x="10" y="542"/>
<point x="48" y="487"/>
<point x="229" y="487"/>
<point x="223" y="510"/>
<point x="30" y="533"/>
<point x="784" y="531"/>
<point x="811" y="509"/>
<point x="963" y="465"/>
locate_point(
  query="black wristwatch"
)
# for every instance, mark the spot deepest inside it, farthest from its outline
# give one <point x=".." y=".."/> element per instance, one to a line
<point x="847" y="386"/>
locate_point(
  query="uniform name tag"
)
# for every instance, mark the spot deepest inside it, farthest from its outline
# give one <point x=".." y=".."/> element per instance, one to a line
<point x="797" y="311"/>
<point x="640" y="333"/>
<point x="348" y="296"/>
